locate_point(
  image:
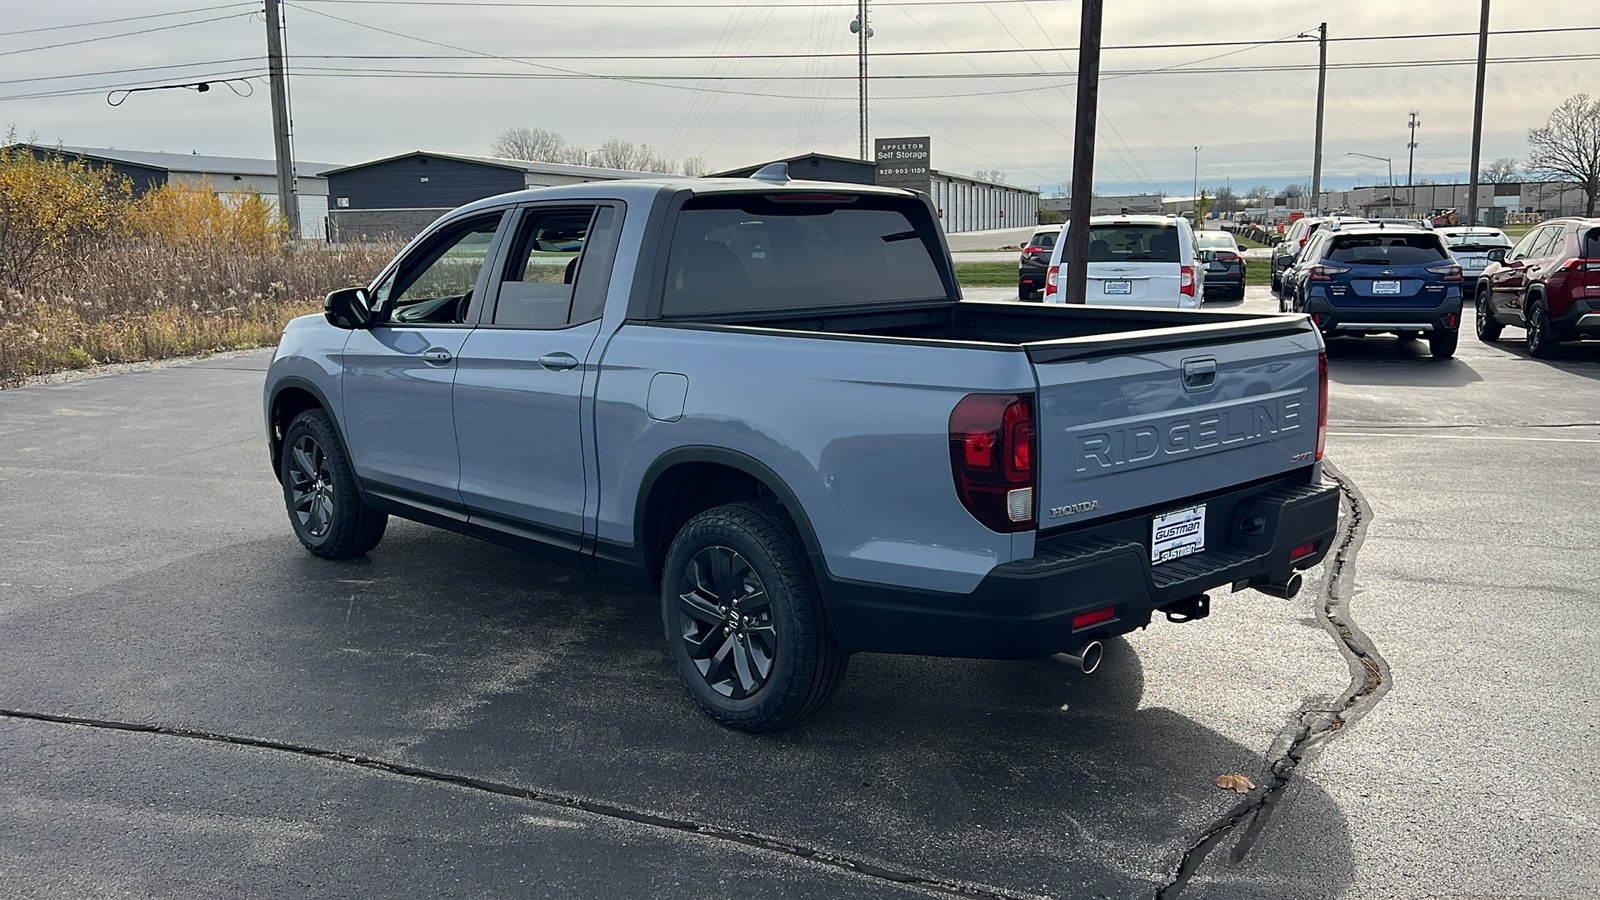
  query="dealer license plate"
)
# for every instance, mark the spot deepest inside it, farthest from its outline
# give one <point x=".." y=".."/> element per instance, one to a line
<point x="1119" y="287"/>
<point x="1386" y="287"/>
<point x="1177" y="533"/>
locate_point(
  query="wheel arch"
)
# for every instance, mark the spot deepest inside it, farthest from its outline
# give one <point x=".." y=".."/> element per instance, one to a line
<point x="690" y="480"/>
<point x="291" y="397"/>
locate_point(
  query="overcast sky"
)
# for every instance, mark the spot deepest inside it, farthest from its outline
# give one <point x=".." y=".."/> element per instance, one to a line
<point x="1253" y="127"/>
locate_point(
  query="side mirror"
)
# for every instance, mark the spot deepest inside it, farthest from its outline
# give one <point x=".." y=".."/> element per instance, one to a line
<point x="1208" y="255"/>
<point x="1498" y="254"/>
<point x="350" y="308"/>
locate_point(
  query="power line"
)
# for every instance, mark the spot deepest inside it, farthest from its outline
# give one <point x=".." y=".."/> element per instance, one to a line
<point x="162" y="68"/>
<point x="176" y="12"/>
<point x="582" y="4"/>
<point x="108" y="37"/>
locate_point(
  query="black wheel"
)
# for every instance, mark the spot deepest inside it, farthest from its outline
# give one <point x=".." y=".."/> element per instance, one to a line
<point x="1283" y="301"/>
<point x="1541" y="340"/>
<point x="319" y="490"/>
<point x="744" y="620"/>
<point x="1277" y="283"/>
<point x="1442" y="344"/>
<point x="1483" y="323"/>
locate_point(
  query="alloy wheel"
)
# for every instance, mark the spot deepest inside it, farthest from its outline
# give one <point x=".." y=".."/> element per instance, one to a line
<point x="725" y="622"/>
<point x="311" y="492"/>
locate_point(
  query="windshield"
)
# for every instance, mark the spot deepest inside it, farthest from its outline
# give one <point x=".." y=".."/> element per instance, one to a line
<point x="1485" y="240"/>
<point x="1386" y="250"/>
<point x="1045" y="239"/>
<point x="1212" y="241"/>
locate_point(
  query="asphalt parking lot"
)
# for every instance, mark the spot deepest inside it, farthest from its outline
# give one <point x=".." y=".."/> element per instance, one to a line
<point x="193" y="705"/>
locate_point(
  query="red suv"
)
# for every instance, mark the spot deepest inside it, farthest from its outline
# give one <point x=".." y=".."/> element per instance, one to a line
<point x="1549" y="283"/>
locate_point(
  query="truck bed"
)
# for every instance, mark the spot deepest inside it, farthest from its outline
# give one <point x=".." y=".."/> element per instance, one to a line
<point x="1048" y="333"/>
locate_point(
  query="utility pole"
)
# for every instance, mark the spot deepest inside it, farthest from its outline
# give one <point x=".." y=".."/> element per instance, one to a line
<point x="1195" y="195"/>
<point x="288" y="206"/>
<point x="1477" y="115"/>
<point x="1411" y="151"/>
<point x="1322" y="92"/>
<point x="1077" y="286"/>
<point x="862" y="31"/>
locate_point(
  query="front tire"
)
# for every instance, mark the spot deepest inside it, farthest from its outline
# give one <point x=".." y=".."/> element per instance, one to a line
<point x="1483" y="321"/>
<point x="744" y="620"/>
<point x="1542" y="341"/>
<point x="319" y="491"/>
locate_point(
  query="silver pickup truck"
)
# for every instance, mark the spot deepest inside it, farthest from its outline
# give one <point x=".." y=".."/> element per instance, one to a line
<point x="765" y="402"/>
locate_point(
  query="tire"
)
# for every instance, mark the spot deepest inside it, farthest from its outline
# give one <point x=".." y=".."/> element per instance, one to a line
<point x="1277" y="283"/>
<point x="1442" y="344"/>
<point x="1487" y="328"/>
<point x="319" y="491"/>
<point x="737" y="592"/>
<point x="1542" y="341"/>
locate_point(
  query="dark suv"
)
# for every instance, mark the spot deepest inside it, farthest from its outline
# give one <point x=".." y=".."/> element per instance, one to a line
<point x="1286" y="251"/>
<point x="1035" y="262"/>
<point x="1377" y="279"/>
<point x="1549" y="283"/>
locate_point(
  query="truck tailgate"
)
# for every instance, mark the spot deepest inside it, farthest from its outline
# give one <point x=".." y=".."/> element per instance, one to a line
<point x="1140" y="427"/>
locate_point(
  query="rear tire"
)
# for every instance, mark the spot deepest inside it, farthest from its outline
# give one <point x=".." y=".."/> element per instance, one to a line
<point x="1488" y="330"/>
<point x="319" y="491"/>
<point x="1442" y="344"/>
<point x="1542" y="342"/>
<point x="744" y="619"/>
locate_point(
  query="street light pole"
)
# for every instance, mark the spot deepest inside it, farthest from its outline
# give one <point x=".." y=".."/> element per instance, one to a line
<point x="1322" y="91"/>
<point x="1390" y="163"/>
<point x="1195" y="196"/>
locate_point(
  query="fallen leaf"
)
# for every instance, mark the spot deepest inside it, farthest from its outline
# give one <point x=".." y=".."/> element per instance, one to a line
<point x="1235" y="782"/>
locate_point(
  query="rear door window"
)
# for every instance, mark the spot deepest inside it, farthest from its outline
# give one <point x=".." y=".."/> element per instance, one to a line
<point x="1591" y="244"/>
<point x="1044" y="239"/>
<point x="1386" y="249"/>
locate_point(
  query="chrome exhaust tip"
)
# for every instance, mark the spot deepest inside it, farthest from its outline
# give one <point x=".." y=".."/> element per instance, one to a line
<point x="1285" y="591"/>
<point x="1086" y="658"/>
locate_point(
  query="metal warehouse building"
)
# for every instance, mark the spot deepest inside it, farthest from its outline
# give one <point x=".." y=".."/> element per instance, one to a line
<point x="226" y="175"/>
<point x="964" y="204"/>
<point x="400" y="195"/>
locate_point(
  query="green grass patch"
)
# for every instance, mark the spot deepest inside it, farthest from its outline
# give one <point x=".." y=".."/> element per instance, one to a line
<point x="987" y="274"/>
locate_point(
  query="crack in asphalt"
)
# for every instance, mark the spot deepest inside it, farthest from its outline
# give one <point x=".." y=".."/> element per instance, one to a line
<point x="1312" y="727"/>
<point x="946" y="886"/>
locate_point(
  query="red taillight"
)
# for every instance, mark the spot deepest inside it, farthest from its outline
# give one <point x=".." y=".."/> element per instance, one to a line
<point x="1326" y="273"/>
<point x="1032" y="249"/>
<point x="1450" y="272"/>
<point x="1186" y="281"/>
<point x="1302" y="242"/>
<point x="1051" y="276"/>
<point x="991" y="456"/>
<point x="1322" y="403"/>
<point x="1084" y="620"/>
<point x="1303" y="551"/>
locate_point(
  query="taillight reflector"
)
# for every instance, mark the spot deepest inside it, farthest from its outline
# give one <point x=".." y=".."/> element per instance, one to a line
<point x="1051" y="277"/>
<point x="1450" y="273"/>
<point x="1084" y="620"/>
<point x="1186" y="281"/>
<point x="1302" y="551"/>
<point x="992" y="439"/>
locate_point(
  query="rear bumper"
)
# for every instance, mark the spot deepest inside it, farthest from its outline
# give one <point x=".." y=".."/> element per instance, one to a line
<point x="1025" y="609"/>
<point x="1353" y="319"/>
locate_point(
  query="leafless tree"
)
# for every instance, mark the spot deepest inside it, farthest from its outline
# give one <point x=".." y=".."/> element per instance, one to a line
<point x="1567" y="148"/>
<point x="993" y="175"/>
<point x="1258" y="194"/>
<point x="534" y="144"/>
<point x="694" y="166"/>
<point x="1296" y="191"/>
<point x="1226" y="200"/>
<point x="620" y="154"/>
<point x="1500" y="171"/>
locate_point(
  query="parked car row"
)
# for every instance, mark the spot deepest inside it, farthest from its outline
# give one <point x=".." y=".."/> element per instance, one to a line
<point x="1408" y="279"/>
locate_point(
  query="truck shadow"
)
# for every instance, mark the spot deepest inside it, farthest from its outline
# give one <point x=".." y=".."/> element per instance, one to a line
<point x="457" y="656"/>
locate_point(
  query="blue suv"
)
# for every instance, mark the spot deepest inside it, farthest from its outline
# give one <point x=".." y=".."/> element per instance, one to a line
<point x="1378" y="279"/>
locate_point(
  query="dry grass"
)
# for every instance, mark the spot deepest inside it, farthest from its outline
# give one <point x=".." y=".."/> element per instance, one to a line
<point x="131" y="299"/>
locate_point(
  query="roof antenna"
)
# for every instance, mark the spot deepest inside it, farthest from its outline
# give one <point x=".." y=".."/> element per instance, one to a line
<point x="773" y="172"/>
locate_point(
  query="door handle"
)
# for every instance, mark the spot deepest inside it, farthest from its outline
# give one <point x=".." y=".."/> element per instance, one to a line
<point x="436" y="356"/>
<point x="1199" y="374"/>
<point x="558" y="362"/>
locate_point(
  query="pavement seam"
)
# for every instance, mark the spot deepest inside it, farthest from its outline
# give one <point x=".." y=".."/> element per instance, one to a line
<point x="934" y="884"/>
<point x="1314" y="726"/>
